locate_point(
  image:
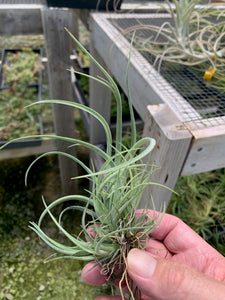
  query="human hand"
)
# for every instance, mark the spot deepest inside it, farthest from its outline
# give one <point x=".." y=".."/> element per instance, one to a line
<point x="176" y="264"/>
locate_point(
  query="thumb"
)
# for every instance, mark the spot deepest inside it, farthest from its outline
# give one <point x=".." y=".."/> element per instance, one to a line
<point x="167" y="279"/>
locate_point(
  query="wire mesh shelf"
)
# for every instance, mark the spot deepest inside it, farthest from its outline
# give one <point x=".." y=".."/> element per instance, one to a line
<point x="207" y="103"/>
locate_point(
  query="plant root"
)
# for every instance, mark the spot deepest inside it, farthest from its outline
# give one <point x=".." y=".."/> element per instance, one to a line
<point x="117" y="267"/>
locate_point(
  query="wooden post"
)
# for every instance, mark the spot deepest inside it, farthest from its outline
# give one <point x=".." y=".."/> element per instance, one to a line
<point x="58" y="52"/>
<point x="74" y="26"/>
<point x="84" y="15"/>
<point x="172" y="145"/>
<point x="100" y="100"/>
<point x="207" y="151"/>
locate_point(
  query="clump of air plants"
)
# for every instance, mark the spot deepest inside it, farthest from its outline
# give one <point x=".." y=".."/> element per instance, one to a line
<point x="110" y="208"/>
<point x="195" y="36"/>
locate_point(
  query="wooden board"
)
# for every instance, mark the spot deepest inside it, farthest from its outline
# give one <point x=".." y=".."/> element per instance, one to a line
<point x="208" y="148"/>
<point x="58" y="51"/>
<point x="172" y="145"/>
<point x="46" y="145"/>
<point x="21" y="19"/>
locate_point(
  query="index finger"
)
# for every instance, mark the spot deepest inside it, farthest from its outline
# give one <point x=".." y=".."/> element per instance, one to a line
<point x="174" y="233"/>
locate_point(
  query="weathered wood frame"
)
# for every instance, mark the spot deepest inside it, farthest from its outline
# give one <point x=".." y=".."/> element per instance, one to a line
<point x="181" y="149"/>
<point x="27" y="19"/>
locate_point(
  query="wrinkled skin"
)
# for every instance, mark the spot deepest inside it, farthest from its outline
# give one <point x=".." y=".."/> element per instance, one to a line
<point x="186" y="267"/>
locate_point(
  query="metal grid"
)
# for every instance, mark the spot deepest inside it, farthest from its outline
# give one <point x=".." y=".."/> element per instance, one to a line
<point x="207" y="101"/>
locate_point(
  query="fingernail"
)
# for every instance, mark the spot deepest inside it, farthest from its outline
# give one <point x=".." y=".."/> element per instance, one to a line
<point x="141" y="263"/>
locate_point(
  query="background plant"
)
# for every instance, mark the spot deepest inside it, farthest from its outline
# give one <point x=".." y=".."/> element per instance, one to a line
<point x="21" y="67"/>
<point x="19" y="71"/>
<point x="195" y="36"/>
<point x="14" y="119"/>
<point x="199" y="202"/>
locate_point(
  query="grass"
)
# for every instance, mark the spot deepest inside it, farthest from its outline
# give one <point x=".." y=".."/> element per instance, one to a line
<point x="23" y="273"/>
<point x="25" y="276"/>
<point x="22" y="262"/>
<point x="200" y="203"/>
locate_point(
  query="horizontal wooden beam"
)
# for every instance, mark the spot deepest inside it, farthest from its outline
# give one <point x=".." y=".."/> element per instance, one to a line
<point x="46" y="145"/>
<point x="208" y="148"/>
<point x="16" y="20"/>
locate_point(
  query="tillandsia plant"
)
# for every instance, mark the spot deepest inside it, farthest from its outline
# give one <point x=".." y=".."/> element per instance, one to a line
<point x="110" y="207"/>
<point x="195" y="36"/>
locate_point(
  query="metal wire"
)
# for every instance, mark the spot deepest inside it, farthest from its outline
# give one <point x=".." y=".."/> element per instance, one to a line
<point x="207" y="101"/>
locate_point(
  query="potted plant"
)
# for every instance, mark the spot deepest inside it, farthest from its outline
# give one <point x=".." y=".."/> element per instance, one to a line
<point x="110" y="206"/>
<point x="21" y="85"/>
<point x="86" y="4"/>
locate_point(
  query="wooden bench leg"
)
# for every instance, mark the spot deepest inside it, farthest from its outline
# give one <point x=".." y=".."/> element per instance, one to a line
<point x="58" y="51"/>
<point x="172" y="145"/>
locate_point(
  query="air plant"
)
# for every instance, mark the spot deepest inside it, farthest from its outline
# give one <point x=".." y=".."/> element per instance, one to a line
<point x="191" y="38"/>
<point x="110" y="207"/>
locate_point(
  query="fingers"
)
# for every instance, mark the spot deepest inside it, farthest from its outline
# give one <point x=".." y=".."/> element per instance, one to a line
<point x="91" y="274"/>
<point x="174" y="233"/>
<point x="157" y="249"/>
<point x="91" y="231"/>
<point x="166" y="279"/>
